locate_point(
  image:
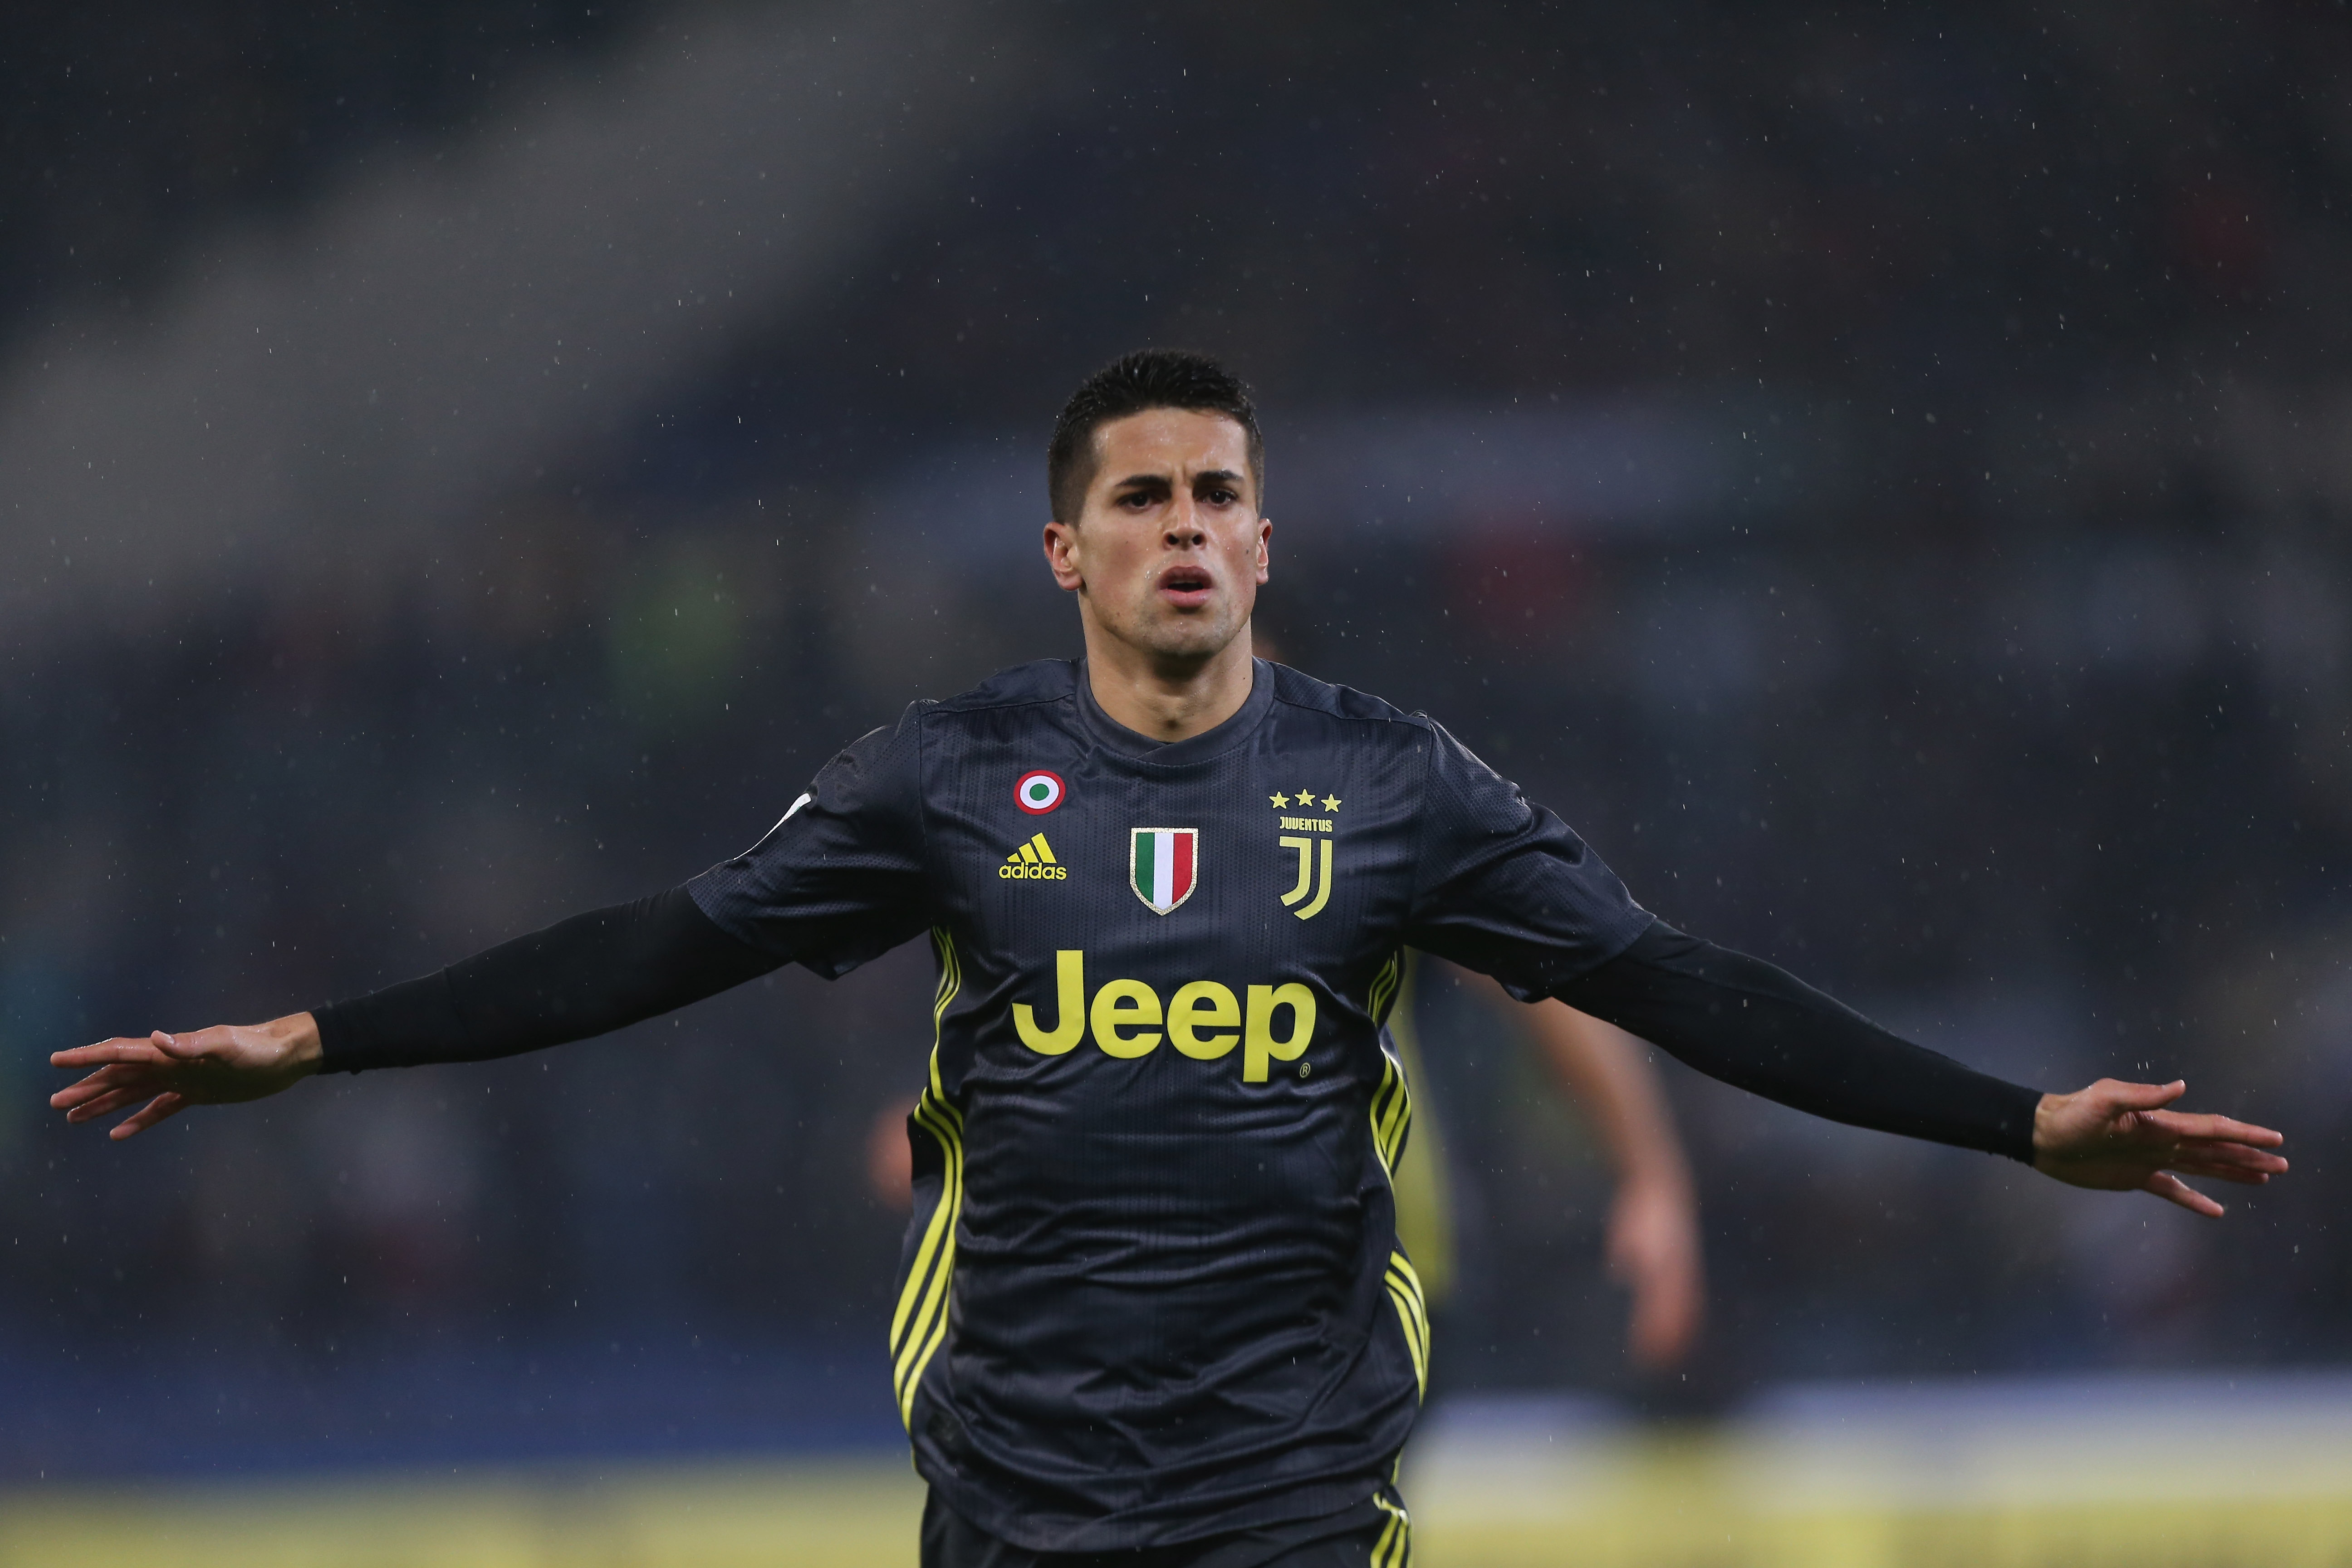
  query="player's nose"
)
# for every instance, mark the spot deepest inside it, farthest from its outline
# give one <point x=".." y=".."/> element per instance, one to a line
<point x="1184" y="527"/>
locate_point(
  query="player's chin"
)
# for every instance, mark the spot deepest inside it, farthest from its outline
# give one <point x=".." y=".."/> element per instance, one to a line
<point x="1195" y="631"/>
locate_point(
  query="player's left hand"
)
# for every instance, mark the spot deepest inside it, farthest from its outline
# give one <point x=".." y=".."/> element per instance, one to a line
<point x="2119" y="1137"/>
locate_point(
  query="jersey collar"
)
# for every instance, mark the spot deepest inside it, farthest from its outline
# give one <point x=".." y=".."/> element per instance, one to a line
<point x="1113" y="736"/>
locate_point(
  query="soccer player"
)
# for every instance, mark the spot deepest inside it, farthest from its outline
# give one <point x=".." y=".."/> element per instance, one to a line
<point x="1652" y="1242"/>
<point x="1152" y="1296"/>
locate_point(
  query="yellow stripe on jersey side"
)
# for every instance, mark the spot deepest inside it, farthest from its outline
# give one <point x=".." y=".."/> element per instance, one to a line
<point x="1395" y="1547"/>
<point x="1405" y="1291"/>
<point x="928" y="1324"/>
<point x="1391" y="1114"/>
<point x="1418" y="1168"/>
<point x="920" y="1323"/>
<point x="1384" y="987"/>
<point x="940" y="1114"/>
<point x="950" y="981"/>
<point x="1391" y="1119"/>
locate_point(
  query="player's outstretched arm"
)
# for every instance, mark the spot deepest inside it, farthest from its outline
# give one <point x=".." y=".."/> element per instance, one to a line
<point x="1760" y="1028"/>
<point x="841" y="878"/>
<point x="219" y="1066"/>
<point x="2119" y="1137"/>
<point x="578" y="978"/>
<point x="1653" y="1238"/>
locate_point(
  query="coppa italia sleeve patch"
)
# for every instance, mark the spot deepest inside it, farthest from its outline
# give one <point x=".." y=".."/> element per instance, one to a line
<point x="1038" y="792"/>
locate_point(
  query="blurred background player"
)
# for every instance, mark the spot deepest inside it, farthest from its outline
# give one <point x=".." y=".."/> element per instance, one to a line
<point x="1651" y="1245"/>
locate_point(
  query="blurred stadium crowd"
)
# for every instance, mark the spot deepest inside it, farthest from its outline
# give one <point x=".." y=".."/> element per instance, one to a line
<point x="1882" y="474"/>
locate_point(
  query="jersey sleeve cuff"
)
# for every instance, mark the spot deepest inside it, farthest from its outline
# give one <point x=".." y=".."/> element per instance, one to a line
<point x="400" y="1025"/>
<point x="2015" y="1106"/>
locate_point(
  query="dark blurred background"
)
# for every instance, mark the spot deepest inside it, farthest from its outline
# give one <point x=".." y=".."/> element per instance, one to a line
<point x="1881" y="472"/>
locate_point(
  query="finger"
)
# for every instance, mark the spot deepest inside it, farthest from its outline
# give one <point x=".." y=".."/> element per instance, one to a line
<point x="74" y="1093"/>
<point x="2224" y="1173"/>
<point x="113" y="1100"/>
<point x="2173" y="1190"/>
<point x="2143" y="1096"/>
<point x="2188" y="1124"/>
<point x="2204" y="1163"/>
<point x="2234" y="1155"/>
<point x="156" y="1110"/>
<point x="96" y="1099"/>
<point x="106" y="1051"/>
<point x="101" y="1080"/>
<point x="2224" y="1170"/>
<point x="190" y="1047"/>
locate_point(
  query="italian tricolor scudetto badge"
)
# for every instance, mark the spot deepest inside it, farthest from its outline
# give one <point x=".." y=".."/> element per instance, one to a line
<point x="1163" y="864"/>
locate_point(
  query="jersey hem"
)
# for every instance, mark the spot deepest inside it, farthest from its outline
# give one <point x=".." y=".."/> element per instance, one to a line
<point x="1107" y="1534"/>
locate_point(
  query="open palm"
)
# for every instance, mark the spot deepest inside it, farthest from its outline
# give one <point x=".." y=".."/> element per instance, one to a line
<point x="219" y="1066"/>
<point x="2119" y="1137"/>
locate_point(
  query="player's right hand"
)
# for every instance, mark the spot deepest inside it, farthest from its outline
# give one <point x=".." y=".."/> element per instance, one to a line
<point x="218" y="1065"/>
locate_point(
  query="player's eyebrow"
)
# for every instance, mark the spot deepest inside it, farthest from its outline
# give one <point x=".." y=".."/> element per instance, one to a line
<point x="1217" y="477"/>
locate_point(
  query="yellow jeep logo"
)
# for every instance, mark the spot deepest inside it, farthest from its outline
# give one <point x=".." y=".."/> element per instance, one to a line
<point x="1205" y="1020"/>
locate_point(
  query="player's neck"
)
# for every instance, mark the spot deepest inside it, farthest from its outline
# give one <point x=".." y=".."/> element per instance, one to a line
<point x="1166" y="702"/>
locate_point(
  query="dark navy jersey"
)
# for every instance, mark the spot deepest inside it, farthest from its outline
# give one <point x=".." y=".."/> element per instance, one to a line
<point x="1152" y="1290"/>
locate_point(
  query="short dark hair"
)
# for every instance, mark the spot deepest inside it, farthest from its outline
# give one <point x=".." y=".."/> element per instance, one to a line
<point x="1148" y="378"/>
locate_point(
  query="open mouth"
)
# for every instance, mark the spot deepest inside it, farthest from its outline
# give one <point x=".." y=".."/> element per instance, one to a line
<point x="1186" y="586"/>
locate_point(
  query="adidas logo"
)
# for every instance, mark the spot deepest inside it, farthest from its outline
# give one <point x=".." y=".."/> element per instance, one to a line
<point x="1033" y="862"/>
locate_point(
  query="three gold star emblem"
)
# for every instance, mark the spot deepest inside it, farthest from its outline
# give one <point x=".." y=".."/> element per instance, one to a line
<point x="1305" y="801"/>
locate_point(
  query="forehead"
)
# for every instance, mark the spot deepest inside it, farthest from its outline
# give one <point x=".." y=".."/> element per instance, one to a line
<point x="1169" y="441"/>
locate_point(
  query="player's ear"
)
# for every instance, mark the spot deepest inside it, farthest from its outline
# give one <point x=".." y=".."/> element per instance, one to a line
<point x="1264" y="547"/>
<point x="1062" y="556"/>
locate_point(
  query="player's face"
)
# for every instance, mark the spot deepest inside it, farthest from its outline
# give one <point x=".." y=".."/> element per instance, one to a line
<point x="1169" y="550"/>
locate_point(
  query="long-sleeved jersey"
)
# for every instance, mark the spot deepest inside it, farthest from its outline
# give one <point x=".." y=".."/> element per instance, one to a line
<point x="1151" y="1289"/>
